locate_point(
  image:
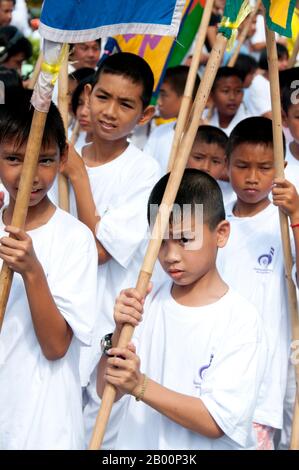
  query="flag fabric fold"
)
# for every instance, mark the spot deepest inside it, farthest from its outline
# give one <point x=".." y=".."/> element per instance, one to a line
<point x="53" y="53"/>
<point x="235" y="12"/>
<point x="279" y="15"/>
<point x="75" y="21"/>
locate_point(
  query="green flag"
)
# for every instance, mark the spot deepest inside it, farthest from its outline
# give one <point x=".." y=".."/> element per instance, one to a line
<point x="279" y="14"/>
<point x="234" y="14"/>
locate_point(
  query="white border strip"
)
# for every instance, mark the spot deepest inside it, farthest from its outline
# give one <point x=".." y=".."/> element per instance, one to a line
<point x="74" y="36"/>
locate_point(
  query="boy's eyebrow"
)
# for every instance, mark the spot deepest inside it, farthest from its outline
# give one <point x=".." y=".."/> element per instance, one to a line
<point x="240" y="159"/>
<point x="120" y="98"/>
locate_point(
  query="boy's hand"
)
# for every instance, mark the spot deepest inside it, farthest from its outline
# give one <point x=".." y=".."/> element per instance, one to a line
<point x="286" y="198"/>
<point x="18" y="252"/>
<point x="129" y="308"/>
<point x="73" y="165"/>
<point x="123" y="370"/>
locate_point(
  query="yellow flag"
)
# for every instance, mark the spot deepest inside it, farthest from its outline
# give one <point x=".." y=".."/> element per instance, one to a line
<point x="279" y="15"/>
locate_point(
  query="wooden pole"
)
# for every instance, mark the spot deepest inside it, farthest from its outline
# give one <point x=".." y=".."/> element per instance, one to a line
<point x="295" y="423"/>
<point x="23" y="197"/>
<point x="63" y="187"/>
<point x="75" y="133"/>
<point x="243" y="35"/>
<point x="162" y="221"/>
<point x="32" y="81"/>
<point x="284" y="227"/>
<point x="293" y="58"/>
<point x="188" y="92"/>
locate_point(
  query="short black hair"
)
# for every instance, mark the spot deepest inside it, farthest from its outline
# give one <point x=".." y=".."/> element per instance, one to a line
<point x="245" y="64"/>
<point x="15" y="123"/>
<point x="225" y="72"/>
<point x="253" y="130"/>
<point x="81" y="73"/>
<point x="13" y="85"/>
<point x="263" y="61"/>
<point x="177" y="76"/>
<point x="196" y="187"/>
<point x="79" y="90"/>
<point x="130" y="66"/>
<point x="211" y="135"/>
<point x="13" y="42"/>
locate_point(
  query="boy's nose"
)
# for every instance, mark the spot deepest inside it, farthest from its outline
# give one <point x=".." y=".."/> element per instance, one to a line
<point x="36" y="178"/>
<point x="251" y="176"/>
<point x="205" y="166"/>
<point x="110" y="108"/>
<point x="171" y="253"/>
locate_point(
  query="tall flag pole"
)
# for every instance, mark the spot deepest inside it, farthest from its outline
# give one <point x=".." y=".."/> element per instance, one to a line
<point x="66" y="22"/>
<point x="188" y="92"/>
<point x="278" y="16"/>
<point x="235" y="12"/>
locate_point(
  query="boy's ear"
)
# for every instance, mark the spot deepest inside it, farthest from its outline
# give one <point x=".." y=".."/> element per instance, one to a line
<point x="223" y="231"/>
<point x="147" y="115"/>
<point x="284" y="118"/>
<point x="64" y="156"/>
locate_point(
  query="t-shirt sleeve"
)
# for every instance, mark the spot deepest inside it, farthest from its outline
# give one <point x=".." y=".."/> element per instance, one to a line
<point x="73" y="281"/>
<point x="231" y="385"/>
<point x="123" y="228"/>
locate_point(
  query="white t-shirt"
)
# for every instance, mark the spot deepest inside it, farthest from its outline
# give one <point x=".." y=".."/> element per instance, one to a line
<point x="41" y="399"/>
<point x="292" y="169"/>
<point x="120" y="190"/>
<point x="252" y="263"/>
<point x="228" y="193"/>
<point x="239" y="116"/>
<point x="258" y="97"/>
<point x="159" y="144"/>
<point x="212" y="352"/>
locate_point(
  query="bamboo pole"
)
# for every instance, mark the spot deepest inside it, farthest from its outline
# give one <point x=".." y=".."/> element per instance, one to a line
<point x="293" y="58"/>
<point x="162" y="221"/>
<point x="243" y="35"/>
<point x="63" y="187"/>
<point x="23" y="197"/>
<point x="285" y="236"/>
<point x="188" y="92"/>
<point x="32" y="81"/>
<point x="75" y="133"/>
<point x="295" y="423"/>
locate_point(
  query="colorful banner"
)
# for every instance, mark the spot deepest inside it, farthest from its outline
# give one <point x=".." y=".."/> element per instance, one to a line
<point x="162" y="51"/>
<point x="78" y="21"/>
<point x="189" y="27"/>
<point x="279" y="15"/>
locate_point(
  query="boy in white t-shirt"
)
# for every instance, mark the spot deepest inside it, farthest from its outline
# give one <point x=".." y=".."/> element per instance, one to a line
<point x="208" y="154"/>
<point x="227" y="97"/>
<point x="51" y="307"/>
<point x="111" y="184"/>
<point x="252" y="261"/>
<point x="200" y="345"/>
<point x="290" y="116"/>
<point x="169" y="102"/>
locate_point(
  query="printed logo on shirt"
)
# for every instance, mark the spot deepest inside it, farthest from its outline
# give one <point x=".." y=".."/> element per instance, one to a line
<point x="265" y="262"/>
<point x="197" y="381"/>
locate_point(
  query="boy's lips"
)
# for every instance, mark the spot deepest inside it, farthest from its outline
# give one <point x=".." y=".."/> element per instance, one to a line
<point x="251" y="190"/>
<point x="107" y="125"/>
<point x="175" y="273"/>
